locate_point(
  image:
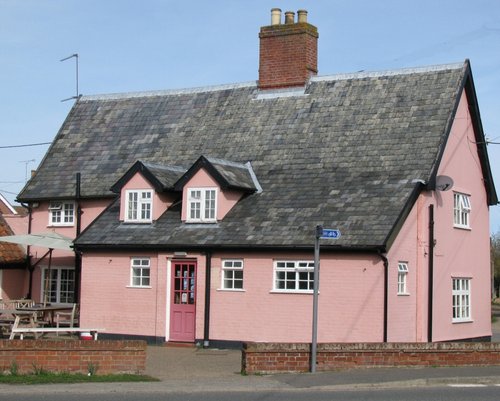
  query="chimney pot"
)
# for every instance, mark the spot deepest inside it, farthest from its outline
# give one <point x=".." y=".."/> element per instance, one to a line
<point x="302" y="16"/>
<point x="276" y="16"/>
<point x="289" y="17"/>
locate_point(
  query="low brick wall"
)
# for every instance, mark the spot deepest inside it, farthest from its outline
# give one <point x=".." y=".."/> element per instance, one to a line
<point x="275" y="358"/>
<point x="73" y="356"/>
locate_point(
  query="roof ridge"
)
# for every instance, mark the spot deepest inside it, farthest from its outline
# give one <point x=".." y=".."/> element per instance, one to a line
<point x="182" y="91"/>
<point x="384" y="73"/>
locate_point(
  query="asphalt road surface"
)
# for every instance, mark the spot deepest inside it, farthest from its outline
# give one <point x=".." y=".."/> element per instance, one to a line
<point x="444" y="393"/>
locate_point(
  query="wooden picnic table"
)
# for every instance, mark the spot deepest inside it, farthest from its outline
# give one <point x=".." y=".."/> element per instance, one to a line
<point x="18" y="318"/>
<point x="48" y="311"/>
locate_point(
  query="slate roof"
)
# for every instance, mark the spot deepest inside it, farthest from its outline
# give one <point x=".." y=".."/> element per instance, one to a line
<point x="10" y="254"/>
<point x="351" y="152"/>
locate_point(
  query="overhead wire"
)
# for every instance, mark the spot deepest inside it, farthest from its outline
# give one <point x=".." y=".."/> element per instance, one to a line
<point x="26" y="145"/>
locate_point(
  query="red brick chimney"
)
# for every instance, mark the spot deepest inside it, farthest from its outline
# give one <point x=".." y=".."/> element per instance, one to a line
<point x="288" y="52"/>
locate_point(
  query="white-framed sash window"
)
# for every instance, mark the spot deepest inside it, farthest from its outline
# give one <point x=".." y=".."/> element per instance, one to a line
<point x="202" y="205"/>
<point x="232" y="274"/>
<point x="140" y="272"/>
<point x="461" y="300"/>
<point x="402" y="278"/>
<point x="293" y="276"/>
<point x="138" y="206"/>
<point x="61" y="213"/>
<point x="461" y="210"/>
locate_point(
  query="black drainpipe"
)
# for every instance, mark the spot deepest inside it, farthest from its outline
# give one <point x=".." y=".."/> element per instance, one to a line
<point x="78" y="257"/>
<point x="386" y="292"/>
<point x="208" y="280"/>
<point x="431" y="273"/>
<point x="28" y="250"/>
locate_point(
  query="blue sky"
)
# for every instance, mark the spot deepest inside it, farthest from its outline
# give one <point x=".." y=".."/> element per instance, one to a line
<point x="131" y="45"/>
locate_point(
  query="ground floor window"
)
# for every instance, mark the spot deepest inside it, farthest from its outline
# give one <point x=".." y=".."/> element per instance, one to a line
<point x="140" y="272"/>
<point x="294" y="276"/>
<point x="461" y="299"/>
<point x="58" y="285"/>
<point x="232" y="274"/>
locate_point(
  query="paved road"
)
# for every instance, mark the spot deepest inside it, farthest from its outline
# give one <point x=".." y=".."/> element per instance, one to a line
<point x="488" y="393"/>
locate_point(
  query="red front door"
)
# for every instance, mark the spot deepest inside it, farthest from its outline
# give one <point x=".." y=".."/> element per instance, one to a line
<point x="183" y="301"/>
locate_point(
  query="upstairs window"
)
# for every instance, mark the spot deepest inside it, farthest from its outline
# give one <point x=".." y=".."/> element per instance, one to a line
<point x="139" y="206"/>
<point x="461" y="210"/>
<point x="294" y="276"/>
<point x="402" y="278"/>
<point x="232" y="274"/>
<point x="202" y="205"/>
<point x="61" y="213"/>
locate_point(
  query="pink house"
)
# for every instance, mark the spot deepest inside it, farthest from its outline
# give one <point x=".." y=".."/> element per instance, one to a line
<point x="194" y="210"/>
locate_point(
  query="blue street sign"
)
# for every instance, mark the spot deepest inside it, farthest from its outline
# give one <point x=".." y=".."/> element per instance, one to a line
<point x="330" y="234"/>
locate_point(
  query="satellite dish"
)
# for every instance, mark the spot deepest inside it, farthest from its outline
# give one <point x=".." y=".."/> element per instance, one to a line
<point x="444" y="183"/>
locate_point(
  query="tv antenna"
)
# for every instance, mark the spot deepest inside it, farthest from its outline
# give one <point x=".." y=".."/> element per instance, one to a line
<point x="77" y="94"/>
<point x="26" y="162"/>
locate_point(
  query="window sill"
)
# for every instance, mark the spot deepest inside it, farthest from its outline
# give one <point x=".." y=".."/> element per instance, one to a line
<point x="137" y="221"/>
<point x="61" y="225"/>
<point x="462" y="228"/>
<point x="231" y="289"/>
<point x="462" y="321"/>
<point x="303" y="292"/>
<point x="403" y="294"/>
<point x="147" y="287"/>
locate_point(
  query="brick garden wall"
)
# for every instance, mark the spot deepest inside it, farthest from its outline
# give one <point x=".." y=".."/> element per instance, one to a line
<point x="275" y="358"/>
<point x="74" y="356"/>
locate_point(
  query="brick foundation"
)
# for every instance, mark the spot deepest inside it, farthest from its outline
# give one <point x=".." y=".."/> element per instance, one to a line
<point x="274" y="358"/>
<point x="73" y="356"/>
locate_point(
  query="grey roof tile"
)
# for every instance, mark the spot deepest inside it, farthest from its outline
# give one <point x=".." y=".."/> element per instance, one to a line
<point x="345" y="154"/>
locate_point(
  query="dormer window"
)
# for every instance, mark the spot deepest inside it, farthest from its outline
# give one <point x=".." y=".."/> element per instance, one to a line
<point x="139" y="206"/>
<point x="61" y="213"/>
<point x="202" y="205"/>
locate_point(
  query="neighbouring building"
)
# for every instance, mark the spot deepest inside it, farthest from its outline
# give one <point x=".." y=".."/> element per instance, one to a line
<point x="13" y="262"/>
<point x="194" y="210"/>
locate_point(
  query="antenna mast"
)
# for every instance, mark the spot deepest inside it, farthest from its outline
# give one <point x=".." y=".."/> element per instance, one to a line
<point x="77" y="94"/>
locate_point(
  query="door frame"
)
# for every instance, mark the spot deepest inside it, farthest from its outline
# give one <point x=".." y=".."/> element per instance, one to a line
<point x="168" y="293"/>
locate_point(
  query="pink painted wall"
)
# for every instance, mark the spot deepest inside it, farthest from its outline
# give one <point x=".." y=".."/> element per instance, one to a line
<point x="14" y="284"/>
<point x="350" y="302"/>
<point x="40" y="224"/>
<point x="225" y="199"/>
<point x="350" y="309"/>
<point x="108" y="301"/>
<point x="161" y="202"/>
<point x="458" y="252"/>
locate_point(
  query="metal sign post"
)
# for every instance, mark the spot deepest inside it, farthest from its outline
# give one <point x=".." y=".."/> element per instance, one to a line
<point x="328" y="234"/>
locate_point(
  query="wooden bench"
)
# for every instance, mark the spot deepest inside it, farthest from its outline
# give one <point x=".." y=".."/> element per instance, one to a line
<point x="41" y="330"/>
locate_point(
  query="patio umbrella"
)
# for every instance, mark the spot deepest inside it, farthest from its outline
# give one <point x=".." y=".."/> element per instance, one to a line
<point x="51" y="240"/>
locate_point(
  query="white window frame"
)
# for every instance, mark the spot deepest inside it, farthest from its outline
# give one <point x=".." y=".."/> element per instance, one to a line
<point x="461" y="210"/>
<point x="59" y="282"/>
<point x="62" y="213"/>
<point x="138" y="267"/>
<point x="461" y="299"/>
<point x="403" y="278"/>
<point x="143" y="210"/>
<point x="198" y="209"/>
<point x="229" y="270"/>
<point x="293" y="273"/>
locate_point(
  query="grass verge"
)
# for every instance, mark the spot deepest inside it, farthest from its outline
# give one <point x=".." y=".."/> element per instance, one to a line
<point x="62" y="378"/>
